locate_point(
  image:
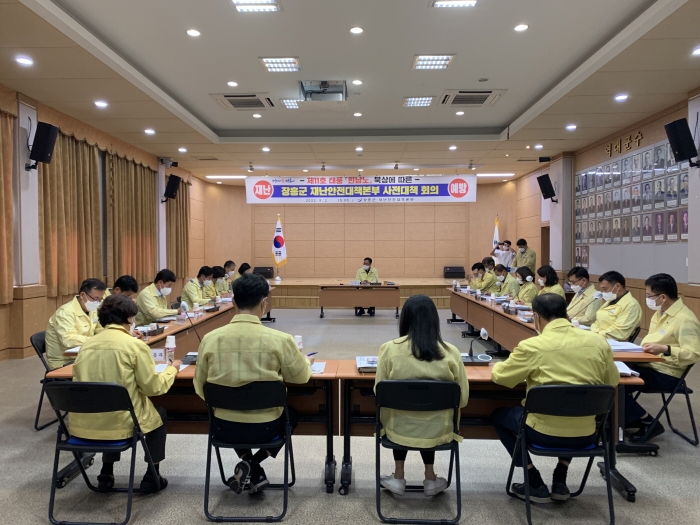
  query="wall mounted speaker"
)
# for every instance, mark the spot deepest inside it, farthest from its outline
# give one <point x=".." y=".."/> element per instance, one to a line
<point x="172" y="187"/>
<point x="44" y="142"/>
<point x="681" y="141"/>
<point x="546" y="186"/>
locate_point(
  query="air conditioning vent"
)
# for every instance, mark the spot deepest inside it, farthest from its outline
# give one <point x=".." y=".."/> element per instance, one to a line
<point x="527" y="160"/>
<point x="245" y="102"/>
<point x="471" y="98"/>
<point x="205" y="157"/>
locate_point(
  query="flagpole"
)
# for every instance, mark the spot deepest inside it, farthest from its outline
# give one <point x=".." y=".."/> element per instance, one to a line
<point x="278" y="279"/>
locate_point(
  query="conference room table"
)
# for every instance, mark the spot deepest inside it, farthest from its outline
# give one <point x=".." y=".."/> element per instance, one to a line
<point x="354" y="295"/>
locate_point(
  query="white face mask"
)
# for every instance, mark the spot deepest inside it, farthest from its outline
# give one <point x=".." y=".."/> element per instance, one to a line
<point x="575" y="288"/>
<point x="207" y="282"/>
<point x="501" y="278"/>
<point x="651" y="303"/>
<point x="520" y="281"/>
<point x="540" y="282"/>
<point x="92" y="306"/>
<point x="609" y="296"/>
<point x="165" y="291"/>
<point x="522" y="250"/>
<point x="132" y="328"/>
<point x="365" y="268"/>
<point x="535" y="322"/>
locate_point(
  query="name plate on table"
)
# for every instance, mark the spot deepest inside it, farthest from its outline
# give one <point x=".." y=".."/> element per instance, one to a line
<point x="158" y="354"/>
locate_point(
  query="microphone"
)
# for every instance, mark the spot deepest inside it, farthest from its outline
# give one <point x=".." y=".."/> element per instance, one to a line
<point x="477" y="360"/>
<point x="184" y="311"/>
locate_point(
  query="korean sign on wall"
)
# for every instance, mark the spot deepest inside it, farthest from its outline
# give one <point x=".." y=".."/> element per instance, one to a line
<point x="354" y="190"/>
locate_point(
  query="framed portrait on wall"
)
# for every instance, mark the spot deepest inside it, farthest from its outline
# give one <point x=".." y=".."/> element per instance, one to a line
<point x="599" y="206"/>
<point x="684" y="223"/>
<point x="626" y="230"/>
<point x="577" y="233"/>
<point x="617" y="202"/>
<point x="672" y="234"/>
<point x="626" y="170"/>
<point x="647" y="197"/>
<point x="584" y="232"/>
<point x="636" y="228"/>
<point x="660" y="160"/>
<point x="591" y="181"/>
<point x="636" y="167"/>
<point x="672" y="191"/>
<point x="591" y="206"/>
<point x="607" y="176"/>
<point x="659" y="226"/>
<point x="684" y="189"/>
<point x="659" y="194"/>
<point x="599" y="178"/>
<point x="584" y="256"/>
<point x="599" y="232"/>
<point x="647" y="165"/>
<point x="671" y="166"/>
<point x="647" y="228"/>
<point x="591" y="232"/>
<point x="577" y="208"/>
<point x="636" y="198"/>
<point x="608" y="203"/>
<point x="626" y="200"/>
<point x="577" y="184"/>
<point x="617" y="231"/>
<point x="578" y="256"/>
<point x="616" y="174"/>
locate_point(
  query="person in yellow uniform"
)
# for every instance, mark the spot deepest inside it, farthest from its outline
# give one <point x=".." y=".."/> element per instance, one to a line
<point x="525" y="256"/>
<point x="528" y="291"/>
<point x="115" y="356"/>
<point x="73" y="323"/>
<point x="230" y="269"/>
<point x="237" y="354"/>
<point x="587" y="301"/>
<point x="490" y="265"/>
<point x="621" y="314"/>
<point x="560" y="355"/>
<point x="482" y="280"/>
<point x="153" y="300"/>
<point x="125" y="285"/>
<point x="366" y="275"/>
<point x="195" y="289"/>
<point x="221" y="283"/>
<point x="242" y="269"/>
<point x="549" y="281"/>
<point x="506" y="283"/>
<point x="674" y="334"/>
<point x="419" y="353"/>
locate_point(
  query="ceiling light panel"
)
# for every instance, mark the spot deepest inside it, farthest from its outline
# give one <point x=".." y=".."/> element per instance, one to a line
<point x="417" y="102"/>
<point x="452" y="3"/>
<point x="432" y="61"/>
<point x="291" y="103"/>
<point x="281" y="65"/>
<point x="256" y="6"/>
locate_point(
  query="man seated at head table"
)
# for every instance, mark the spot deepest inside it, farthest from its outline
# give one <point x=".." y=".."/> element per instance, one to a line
<point x="242" y="269"/>
<point x="674" y="334"/>
<point x="127" y="286"/>
<point x="560" y="355"/>
<point x="197" y="290"/>
<point x="230" y="269"/>
<point x="153" y="300"/>
<point x="583" y="307"/>
<point x="621" y="314"/>
<point x="237" y="354"/>
<point x="366" y="275"/>
<point x="115" y="356"/>
<point x="506" y="283"/>
<point x="481" y="279"/>
<point x="73" y="323"/>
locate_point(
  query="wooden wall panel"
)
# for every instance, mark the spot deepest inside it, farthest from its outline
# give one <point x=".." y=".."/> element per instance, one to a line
<point x="197" y="226"/>
<point x="229" y="222"/>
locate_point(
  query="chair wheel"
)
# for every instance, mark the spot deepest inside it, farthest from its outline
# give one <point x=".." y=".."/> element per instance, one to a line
<point x="61" y="484"/>
<point x="343" y="490"/>
<point x="653" y="453"/>
<point x="449" y="321"/>
<point x="91" y="463"/>
<point x="329" y="489"/>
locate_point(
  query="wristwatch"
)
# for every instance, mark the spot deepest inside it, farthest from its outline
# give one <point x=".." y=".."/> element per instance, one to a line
<point x="667" y="353"/>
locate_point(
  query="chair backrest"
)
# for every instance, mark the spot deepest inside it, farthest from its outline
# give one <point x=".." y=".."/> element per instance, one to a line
<point x="258" y="395"/>
<point x="634" y="335"/>
<point x="570" y="400"/>
<point x="38" y="342"/>
<point x="418" y="396"/>
<point x="88" y="398"/>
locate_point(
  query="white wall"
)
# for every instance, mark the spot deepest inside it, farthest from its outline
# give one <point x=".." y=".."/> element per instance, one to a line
<point x="693" y="245"/>
<point x="559" y="214"/>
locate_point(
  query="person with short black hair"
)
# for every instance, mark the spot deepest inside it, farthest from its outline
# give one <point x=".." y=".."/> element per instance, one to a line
<point x="230" y="269"/>
<point x="549" y="281"/>
<point x="587" y="301"/>
<point x="153" y="302"/>
<point x="559" y="355"/>
<point x="482" y="279"/>
<point x="419" y="353"/>
<point x="199" y="290"/>
<point x="674" y="334"/>
<point x="366" y="275"/>
<point x="114" y="356"/>
<point x="528" y="291"/>
<point x="504" y="252"/>
<point x="220" y="281"/>
<point x="237" y="354"/>
<point x="525" y="256"/>
<point x="506" y="283"/>
<point x="124" y="285"/>
<point x="243" y="269"/>
<point x="73" y="323"/>
<point x="621" y="314"/>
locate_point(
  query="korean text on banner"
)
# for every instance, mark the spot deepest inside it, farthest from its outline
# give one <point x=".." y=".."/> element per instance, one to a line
<point x="279" y="247"/>
<point x="495" y="234"/>
<point x="355" y="190"/>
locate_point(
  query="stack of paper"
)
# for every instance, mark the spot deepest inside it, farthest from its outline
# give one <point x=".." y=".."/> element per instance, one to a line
<point x="227" y="299"/>
<point x="161" y="367"/>
<point x="167" y="318"/>
<point x="624" y="346"/>
<point x="625" y="371"/>
<point x="366" y="363"/>
<point x="72" y="351"/>
<point x="318" y="368"/>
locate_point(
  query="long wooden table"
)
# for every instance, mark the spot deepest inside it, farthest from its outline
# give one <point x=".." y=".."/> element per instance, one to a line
<point x="350" y="296"/>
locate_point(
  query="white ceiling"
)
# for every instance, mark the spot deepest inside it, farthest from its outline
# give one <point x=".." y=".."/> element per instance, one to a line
<point x="565" y="69"/>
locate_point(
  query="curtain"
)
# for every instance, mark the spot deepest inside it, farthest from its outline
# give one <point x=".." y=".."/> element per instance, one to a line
<point x="69" y="216"/>
<point x="178" y="231"/>
<point x="132" y="231"/>
<point x="7" y="125"/>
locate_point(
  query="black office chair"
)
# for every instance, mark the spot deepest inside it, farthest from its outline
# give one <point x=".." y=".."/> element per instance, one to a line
<point x="568" y="401"/>
<point x="38" y="341"/>
<point x="634" y="335"/>
<point x="258" y="395"/>
<point x="93" y="398"/>
<point x="418" y="396"/>
<point x="680" y="388"/>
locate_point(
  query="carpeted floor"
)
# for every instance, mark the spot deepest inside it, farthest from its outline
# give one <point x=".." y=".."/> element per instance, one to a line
<point x="667" y="484"/>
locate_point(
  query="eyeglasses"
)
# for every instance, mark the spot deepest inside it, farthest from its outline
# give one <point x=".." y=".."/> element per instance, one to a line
<point x="91" y="297"/>
<point x="653" y="296"/>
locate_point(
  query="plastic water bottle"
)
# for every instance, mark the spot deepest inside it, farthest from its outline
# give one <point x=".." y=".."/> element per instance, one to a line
<point x="170" y="349"/>
<point x="454" y="286"/>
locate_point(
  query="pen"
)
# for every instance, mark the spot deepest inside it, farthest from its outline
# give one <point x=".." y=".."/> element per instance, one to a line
<point x="312" y="353"/>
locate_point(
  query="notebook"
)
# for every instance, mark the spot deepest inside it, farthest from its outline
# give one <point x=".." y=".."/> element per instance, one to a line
<point x="624" y="346"/>
<point x="366" y="363"/>
<point x="72" y="351"/>
<point x="318" y="368"/>
<point x="625" y="371"/>
<point x="167" y="319"/>
<point x="161" y="367"/>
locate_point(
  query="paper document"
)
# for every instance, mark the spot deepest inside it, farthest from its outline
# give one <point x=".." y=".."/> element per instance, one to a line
<point x="161" y="367"/>
<point x="168" y="318"/>
<point x="366" y="363"/>
<point x="72" y="351"/>
<point x="227" y="299"/>
<point x="318" y="368"/>
<point x="624" y="346"/>
<point x="584" y="327"/>
<point x="625" y="371"/>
